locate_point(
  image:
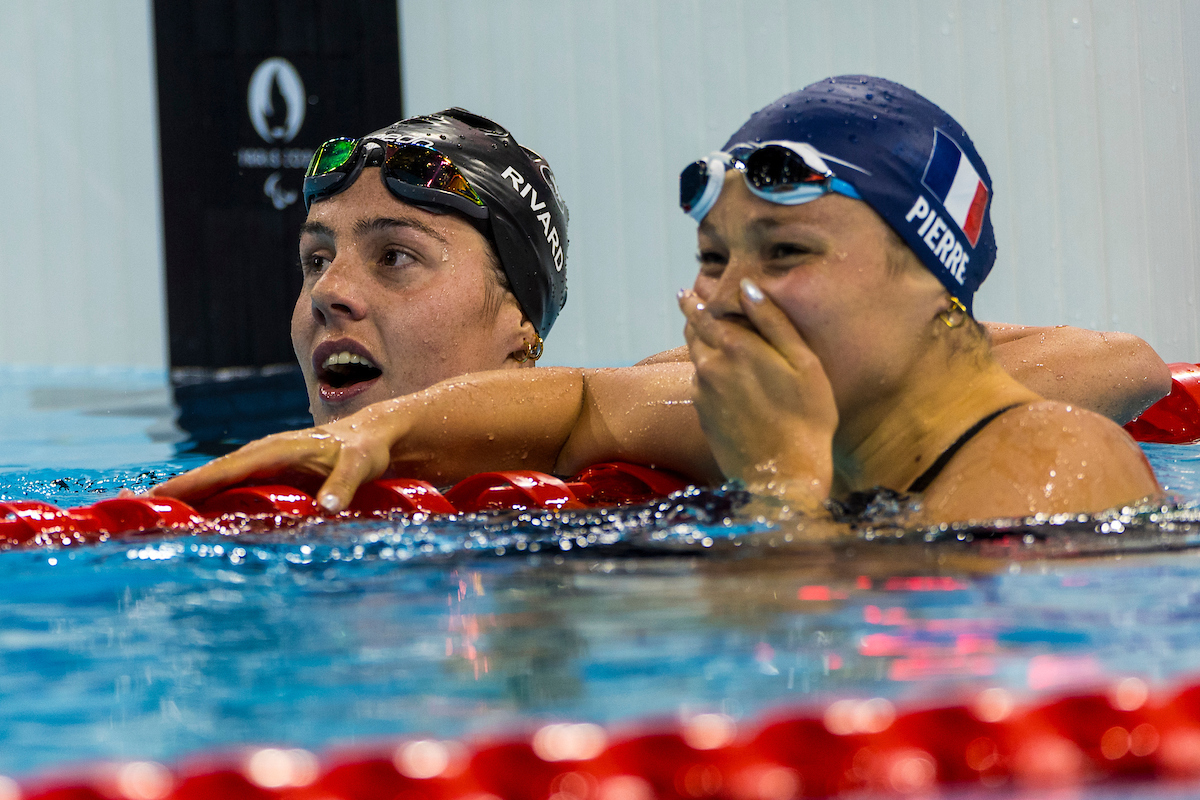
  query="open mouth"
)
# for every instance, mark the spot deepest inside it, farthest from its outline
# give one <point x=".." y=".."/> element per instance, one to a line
<point x="340" y="370"/>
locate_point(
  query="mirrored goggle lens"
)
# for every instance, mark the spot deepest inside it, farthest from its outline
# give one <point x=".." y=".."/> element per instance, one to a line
<point x="331" y="156"/>
<point x="422" y="166"/>
<point x="692" y="183"/>
<point x="778" y="169"/>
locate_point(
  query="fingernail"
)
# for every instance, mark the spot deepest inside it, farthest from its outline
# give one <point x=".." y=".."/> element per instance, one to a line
<point x="329" y="502"/>
<point x="679" y="295"/>
<point x="751" y="290"/>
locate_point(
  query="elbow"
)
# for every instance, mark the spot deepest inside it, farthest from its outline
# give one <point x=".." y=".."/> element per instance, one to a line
<point x="1147" y="378"/>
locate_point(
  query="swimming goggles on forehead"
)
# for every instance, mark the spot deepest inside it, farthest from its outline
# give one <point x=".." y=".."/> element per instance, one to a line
<point x="412" y="172"/>
<point x="788" y="173"/>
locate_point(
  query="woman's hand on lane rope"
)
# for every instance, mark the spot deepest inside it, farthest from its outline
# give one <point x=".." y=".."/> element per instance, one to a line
<point x="764" y="401"/>
<point x="346" y="453"/>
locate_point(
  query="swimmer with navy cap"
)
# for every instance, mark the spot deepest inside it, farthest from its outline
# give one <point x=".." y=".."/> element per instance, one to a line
<point x="842" y="234"/>
<point x="843" y="231"/>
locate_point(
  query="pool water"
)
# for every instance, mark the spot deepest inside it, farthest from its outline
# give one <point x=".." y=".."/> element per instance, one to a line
<point x="330" y="634"/>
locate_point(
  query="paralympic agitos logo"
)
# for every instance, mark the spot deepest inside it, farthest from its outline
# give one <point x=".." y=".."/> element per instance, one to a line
<point x="276" y="102"/>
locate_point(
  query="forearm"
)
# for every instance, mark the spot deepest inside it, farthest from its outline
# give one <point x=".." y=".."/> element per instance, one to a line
<point x="553" y="420"/>
<point x="641" y="414"/>
<point x="1114" y="374"/>
<point x="506" y="419"/>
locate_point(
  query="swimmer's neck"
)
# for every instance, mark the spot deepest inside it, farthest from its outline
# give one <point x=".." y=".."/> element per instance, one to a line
<point x="924" y="418"/>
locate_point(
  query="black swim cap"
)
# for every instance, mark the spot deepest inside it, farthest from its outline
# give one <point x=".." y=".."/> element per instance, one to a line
<point x="528" y="218"/>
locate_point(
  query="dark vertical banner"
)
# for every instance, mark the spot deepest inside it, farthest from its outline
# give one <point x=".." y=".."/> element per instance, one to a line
<point x="247" y="90"/>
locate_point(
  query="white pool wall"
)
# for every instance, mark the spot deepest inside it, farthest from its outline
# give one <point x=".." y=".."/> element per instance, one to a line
<point x="1080" y="109"/>
<point x="81" y="275"/>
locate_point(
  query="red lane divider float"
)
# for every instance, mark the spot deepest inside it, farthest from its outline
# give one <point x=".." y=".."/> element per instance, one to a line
<point x="1175" y="419"/>
<point x="853" y="747"/>
<point x="27" y="522"/>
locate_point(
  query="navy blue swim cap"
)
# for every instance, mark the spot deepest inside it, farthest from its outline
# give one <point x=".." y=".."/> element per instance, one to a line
<point x="528" y="217"/>
<point x="907" y="158"/>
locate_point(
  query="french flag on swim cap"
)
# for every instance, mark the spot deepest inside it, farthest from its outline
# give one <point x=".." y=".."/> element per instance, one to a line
<point x="951" y="178"/>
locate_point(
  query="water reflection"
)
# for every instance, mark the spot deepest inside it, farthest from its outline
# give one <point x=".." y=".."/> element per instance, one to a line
<point x="151" y="648"/>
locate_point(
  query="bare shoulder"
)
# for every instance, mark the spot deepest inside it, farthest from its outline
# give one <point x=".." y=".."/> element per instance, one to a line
<point x="1045" y="457"/>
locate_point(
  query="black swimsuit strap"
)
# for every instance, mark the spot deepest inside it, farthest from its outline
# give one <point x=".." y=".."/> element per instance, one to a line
<point x="927" y="477"/>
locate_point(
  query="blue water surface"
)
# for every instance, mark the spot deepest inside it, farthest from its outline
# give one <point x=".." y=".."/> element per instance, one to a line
<point x="328" y="634"/>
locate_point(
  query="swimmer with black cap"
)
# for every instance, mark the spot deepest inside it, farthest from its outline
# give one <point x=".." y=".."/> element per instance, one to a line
<point x="847" y="360"/>
<point x="434" y="247"/>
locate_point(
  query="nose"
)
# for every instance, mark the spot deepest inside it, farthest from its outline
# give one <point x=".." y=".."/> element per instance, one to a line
<point x="723" y="295"/>
<point x="339" y="294"/>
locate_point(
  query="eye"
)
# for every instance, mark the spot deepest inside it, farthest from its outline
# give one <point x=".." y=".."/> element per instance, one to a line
<point x="395" y="257"/>
<point x="312" y="264"/>
<point x="783" y="250"/>
<point x="712" y="262"/>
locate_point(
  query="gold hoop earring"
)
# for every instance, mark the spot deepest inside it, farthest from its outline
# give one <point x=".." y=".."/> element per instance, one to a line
<point x="950" y="317"/>
<point x="532" y="351"/>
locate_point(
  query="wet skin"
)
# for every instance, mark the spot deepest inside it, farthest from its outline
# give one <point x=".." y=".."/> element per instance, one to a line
<point x="821" y="351"/>
<point x="840" y="377"/>
<point x="400" y="287"/>
<point x="825" y="264"/>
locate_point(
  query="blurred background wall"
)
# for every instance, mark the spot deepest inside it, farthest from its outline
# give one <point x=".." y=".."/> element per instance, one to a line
<point x="1081" y="110"/>
<point x="81" y="275"/>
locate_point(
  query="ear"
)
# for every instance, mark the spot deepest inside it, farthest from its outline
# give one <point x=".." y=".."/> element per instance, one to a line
<point x="524" y="345"/>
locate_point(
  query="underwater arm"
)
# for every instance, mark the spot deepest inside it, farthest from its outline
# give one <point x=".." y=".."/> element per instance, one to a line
<point x="1114" y="374"/>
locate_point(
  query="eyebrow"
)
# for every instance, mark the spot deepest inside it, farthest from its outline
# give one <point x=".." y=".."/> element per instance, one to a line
<point x="377" y="224"/>
<point x="373" y="225"/>
<point x="317" y="229"/>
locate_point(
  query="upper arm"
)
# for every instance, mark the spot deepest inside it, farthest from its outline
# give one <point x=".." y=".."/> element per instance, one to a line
<point x="642" y="414"/>
<point x="1041" y="459"/>
<point x="1114" y="374"/>
<point x="674" y="355"/>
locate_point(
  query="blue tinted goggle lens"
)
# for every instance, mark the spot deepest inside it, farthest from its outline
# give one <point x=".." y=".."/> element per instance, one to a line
<point x="772" y="172"/>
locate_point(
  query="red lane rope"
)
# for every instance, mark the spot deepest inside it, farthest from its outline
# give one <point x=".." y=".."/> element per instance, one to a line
<point x="1175" y="419"/>
<point x="34" y="523"/>
<point x="1124" y="733"/>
